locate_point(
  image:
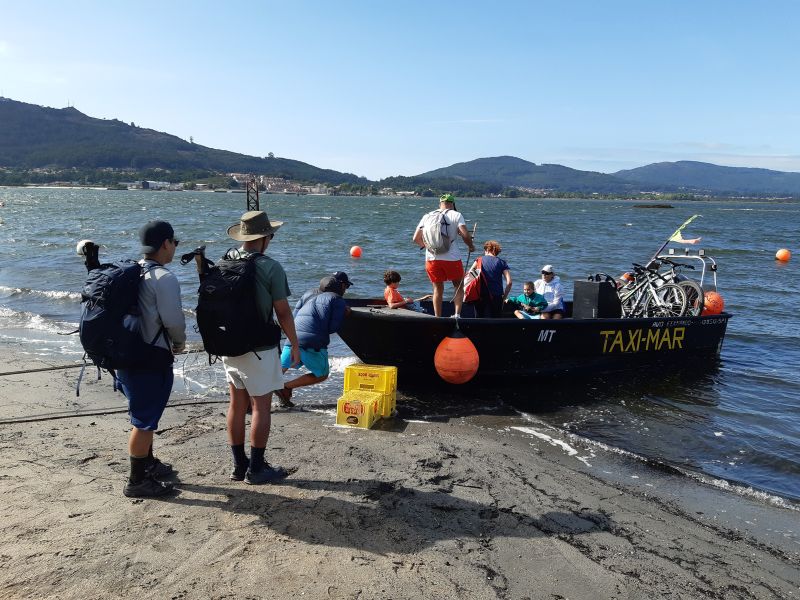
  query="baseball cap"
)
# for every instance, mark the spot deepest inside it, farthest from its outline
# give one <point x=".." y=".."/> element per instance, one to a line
<point x="448" y="198"/>
<point x="153" y="234"/>
<point x="548" y="269"/>
<point x="341" y="277"/>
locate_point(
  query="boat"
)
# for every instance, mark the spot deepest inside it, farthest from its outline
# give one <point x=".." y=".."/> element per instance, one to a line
<point x="512" y="349"/>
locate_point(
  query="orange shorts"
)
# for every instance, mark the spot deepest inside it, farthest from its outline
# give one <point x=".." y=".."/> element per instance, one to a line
<point x="444" y="270"/>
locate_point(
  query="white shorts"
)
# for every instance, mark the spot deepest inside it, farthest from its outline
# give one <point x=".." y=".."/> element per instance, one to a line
<point x="258" y="377"/>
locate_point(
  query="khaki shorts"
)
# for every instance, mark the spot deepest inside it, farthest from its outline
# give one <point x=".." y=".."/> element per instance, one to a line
<point x="258" y="377"/>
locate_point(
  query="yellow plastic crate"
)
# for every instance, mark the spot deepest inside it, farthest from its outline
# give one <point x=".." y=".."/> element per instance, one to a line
<point x="388" y="403"/>
<point x="370" y="377"/>
<point x="359" y="408"/>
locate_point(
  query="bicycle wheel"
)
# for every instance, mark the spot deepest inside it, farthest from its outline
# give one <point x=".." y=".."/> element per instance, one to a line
<point x="667" y="301"/>
<point x="630" y="304"/>
<point x="695" y="298"/>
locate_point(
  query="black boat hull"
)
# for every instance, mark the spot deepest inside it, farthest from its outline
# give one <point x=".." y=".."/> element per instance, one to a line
<point x="513" y="349"/>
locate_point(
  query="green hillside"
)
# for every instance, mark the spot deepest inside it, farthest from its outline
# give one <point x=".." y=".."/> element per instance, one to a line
<point x="509" y="171"/>
<point x="704" y="177"/>
<point x="34" y="136"/>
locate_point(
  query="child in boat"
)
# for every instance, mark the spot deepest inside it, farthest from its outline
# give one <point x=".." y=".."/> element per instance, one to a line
<point x="394" y="299"/>
<point x="530" y="303"/>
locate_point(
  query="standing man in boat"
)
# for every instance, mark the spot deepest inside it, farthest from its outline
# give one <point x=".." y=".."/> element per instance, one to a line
<point x="444" y="264"/>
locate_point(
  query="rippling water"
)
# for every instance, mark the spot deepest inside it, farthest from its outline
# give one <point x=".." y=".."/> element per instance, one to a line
<point x="738" y="419"/>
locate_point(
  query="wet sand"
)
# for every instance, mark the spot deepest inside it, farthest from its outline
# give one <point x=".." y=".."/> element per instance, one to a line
<point x="457" y="508"/>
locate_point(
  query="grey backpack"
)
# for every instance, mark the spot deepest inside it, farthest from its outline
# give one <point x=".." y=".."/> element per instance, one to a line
<point x="435" y="232"/>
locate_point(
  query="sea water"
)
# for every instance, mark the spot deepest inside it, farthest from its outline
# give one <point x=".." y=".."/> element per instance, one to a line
<point x="738" y="419"/>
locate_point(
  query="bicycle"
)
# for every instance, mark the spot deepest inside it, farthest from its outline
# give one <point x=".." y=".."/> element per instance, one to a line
<point x="650" y="295"/>
<point x="695" y="297"/>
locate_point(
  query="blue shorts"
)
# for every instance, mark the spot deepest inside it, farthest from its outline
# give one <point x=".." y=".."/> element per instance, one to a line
<point x="147" y="392"/>
<point x="315" y="361"/>
<point x="526" y="315"/>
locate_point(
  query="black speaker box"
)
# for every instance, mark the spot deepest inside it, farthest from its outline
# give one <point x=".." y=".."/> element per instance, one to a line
<point x="595" y="300"/>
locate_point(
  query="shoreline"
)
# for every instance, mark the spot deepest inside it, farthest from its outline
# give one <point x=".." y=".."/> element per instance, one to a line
<point x="450" y="507"/>
<point x="588" y="196"/>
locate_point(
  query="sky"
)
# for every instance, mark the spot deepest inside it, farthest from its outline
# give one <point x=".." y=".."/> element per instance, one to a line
<point x="381" y="88"/>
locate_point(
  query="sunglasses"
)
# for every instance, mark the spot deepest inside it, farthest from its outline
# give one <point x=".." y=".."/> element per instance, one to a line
<point x="547" y="272"/>
<point x="176" y="241"/>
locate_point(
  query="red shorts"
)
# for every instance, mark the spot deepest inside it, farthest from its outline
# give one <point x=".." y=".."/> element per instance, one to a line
<point x="444" y="270"/>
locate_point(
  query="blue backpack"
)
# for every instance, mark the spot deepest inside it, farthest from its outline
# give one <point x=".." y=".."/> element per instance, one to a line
<point x="109" y="326"/>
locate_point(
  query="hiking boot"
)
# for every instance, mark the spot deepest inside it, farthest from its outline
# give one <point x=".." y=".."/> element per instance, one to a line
<point x="283" y="397"/>
<point x="147" y="488"/>
<point x="156" y="468"/>
<point x="238" y="472"/>
<point x="268" y="474"/>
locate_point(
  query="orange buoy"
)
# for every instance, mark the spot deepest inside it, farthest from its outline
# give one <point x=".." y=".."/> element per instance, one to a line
<point x="783" y="255"/>
<point x="714" y="304"/>
<point x="456" y="359"/>
<point x="626" y="276"/>
<point x="355" y="251"/>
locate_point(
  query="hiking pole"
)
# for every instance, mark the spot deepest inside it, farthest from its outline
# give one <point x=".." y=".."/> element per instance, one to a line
<point x="466" y="268"/>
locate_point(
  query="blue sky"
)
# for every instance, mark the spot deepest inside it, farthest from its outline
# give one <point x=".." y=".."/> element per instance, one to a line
<point x="380" y="88"/>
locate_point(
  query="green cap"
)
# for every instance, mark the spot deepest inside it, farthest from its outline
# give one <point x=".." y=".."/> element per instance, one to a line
<point x="447" y="198"/>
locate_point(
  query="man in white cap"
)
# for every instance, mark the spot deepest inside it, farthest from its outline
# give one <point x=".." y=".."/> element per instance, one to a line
<point x="549" y="286"/>
<point x="253" y="376"/>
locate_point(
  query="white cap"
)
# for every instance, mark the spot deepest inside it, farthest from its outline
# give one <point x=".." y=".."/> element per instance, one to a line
<point x="548" y="269"/>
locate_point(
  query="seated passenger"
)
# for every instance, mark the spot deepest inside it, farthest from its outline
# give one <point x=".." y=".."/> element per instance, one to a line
<point x="530" y="303"/>
<point x="549" y="286"/>
<point x="394" y="299"/>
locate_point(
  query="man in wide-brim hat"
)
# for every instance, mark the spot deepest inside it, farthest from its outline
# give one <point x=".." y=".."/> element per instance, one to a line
<point x="254" y="225"/>
<point x="253" y="376"/>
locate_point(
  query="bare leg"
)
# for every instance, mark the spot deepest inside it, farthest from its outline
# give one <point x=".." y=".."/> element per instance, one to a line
<point x="458" y="299"/>
<point x="303" y="380"/>
<point x="262" y="420"/>
<point x="558" y="316"/>
<point x="237" y="409"/>
<point x="139" y="442"/>
<point x="438" y="293"/>
<point x="518" y="314"/>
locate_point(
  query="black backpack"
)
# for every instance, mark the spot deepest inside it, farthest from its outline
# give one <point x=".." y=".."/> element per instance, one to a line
<point x="109" y="326"/>
<point x="228" y="317"/>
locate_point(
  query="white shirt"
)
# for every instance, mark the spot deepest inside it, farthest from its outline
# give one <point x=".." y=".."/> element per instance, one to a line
<point x="552" y="292"/>
<point x="454" y="220"/>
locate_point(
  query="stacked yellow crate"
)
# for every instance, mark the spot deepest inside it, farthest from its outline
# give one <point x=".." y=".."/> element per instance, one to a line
<point x="358" y="408"/>
<point x="367" y="384"/>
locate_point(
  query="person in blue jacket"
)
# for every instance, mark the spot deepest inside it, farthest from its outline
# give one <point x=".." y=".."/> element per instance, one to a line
<point x="317" y="315"/>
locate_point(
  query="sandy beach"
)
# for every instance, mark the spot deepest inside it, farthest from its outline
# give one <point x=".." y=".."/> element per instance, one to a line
<point x="448" y="508"/>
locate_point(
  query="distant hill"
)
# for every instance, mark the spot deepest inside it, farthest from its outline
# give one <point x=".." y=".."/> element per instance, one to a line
<point x="509" y="171"/>
<point x="688" y="175"/>
<point x="34" y="136"/>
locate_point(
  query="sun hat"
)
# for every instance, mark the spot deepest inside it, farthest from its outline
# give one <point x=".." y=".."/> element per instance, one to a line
<point x="253" y="225"/>
<point x="341" y="277"/>
<point x="153" y="234"/>
<point x="548" y="269"/>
